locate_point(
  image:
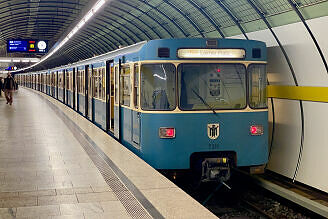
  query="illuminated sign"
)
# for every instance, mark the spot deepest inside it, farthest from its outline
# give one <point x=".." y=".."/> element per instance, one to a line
<point x="27" y="46"/>
<point x="17" y="46"/>
<point x="211" y="53"/>
<point x="11" y="68"/>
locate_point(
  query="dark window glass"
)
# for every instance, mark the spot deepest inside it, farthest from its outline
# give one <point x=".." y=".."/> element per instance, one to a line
<point x="158" y="90"/>
<point x="125" y="86"/>
<point x="212" y="86"/>
<point x="257" y="86"/>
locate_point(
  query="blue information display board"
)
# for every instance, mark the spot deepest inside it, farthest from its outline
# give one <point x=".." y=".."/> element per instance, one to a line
<point x="27" y="46"/>
<point x="17" y="46"/>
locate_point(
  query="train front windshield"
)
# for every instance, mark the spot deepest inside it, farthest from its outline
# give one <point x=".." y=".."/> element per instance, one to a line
<point x="214" y="86"/>
<point x="203" y="86"/>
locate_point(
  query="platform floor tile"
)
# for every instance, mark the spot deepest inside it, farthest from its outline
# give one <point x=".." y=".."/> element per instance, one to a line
<point x="44" y="171"/>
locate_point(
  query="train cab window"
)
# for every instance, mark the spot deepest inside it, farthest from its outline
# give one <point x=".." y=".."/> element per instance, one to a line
<point x="207" y="86"/>
<point x="125" y="86"/>
<point x="136" y="86"/>
<point x="158" y="87"/>
<point x="257" y="86"/>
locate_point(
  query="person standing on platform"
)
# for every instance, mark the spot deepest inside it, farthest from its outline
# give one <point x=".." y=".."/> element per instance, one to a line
<point x="9" y="87"/>
<point x="1" y="86"/>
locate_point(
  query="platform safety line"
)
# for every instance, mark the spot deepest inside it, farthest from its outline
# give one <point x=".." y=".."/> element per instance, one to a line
<point x="315" y="94"/>
<point x="151" y="210"/>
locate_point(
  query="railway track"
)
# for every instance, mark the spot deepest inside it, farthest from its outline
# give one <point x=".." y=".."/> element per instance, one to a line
<point x="244" y="200"/>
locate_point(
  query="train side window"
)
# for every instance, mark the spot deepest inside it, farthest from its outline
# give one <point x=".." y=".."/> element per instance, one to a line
<point x="71" y="84"/>
<point x="257" y="86"/>
<point x="112" y="80"/>
<point x="67" y="80"/>
<point x="60" y="80"/>
<point x="95" y="83"/>
<point x="103" y="82"/>
<point x="158" y="86"/>
<point x="116" y="85"/>
<point x="78" y="81"/>
<point x="125" y="86"/>
<point x="83" y="82"/>
<point x="136" y="86"/>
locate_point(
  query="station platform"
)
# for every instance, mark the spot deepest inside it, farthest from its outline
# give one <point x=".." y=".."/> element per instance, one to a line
<point x="56" y="164"/>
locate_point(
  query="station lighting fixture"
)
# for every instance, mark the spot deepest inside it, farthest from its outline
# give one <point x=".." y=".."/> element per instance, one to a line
<point x="83" y="21"/>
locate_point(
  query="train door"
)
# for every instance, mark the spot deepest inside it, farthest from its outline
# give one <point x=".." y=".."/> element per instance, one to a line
<point x="117" y="101"/>
<point x="90" y="101"/>
<point x="61" y="86"/>
<point x="56" y="84"/>
<point x="51" y="84"/>
<point x="86" y="91"/>
<point x="110" y="96"/>
<point x="135" y="114"/>
<point x="67" y="87"/>
<point x="53" y="81"/>
<point x="64" y="85"/>
<point x="39" y="77"/>
<point x="79" y="90"/>
<point x="73" y="88"/>
<point x="48" y="83"/>
<point x="42" y="82"/>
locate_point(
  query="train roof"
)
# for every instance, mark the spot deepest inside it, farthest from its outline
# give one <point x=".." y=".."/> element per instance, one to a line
<point x="148" y="50"/>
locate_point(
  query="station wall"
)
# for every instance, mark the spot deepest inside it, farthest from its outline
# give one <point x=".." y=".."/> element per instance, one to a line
<point x="309" y="71"/>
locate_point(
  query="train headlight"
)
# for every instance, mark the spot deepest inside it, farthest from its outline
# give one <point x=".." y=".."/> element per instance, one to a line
<point x="256" y="130"/>
<point x="166" y="132"/>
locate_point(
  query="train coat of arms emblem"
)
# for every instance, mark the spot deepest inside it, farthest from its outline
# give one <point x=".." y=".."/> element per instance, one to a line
<point x="213" y="131"/>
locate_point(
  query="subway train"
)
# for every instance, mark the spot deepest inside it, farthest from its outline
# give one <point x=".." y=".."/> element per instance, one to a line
<point x="194" y="105"/>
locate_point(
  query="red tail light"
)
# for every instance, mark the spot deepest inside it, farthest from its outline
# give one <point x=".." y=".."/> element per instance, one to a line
<point x="167" y="132"/>
<point x="256" y="130"/>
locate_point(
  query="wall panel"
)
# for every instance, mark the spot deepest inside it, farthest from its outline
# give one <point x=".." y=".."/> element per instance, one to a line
<point x="310" y="71"/>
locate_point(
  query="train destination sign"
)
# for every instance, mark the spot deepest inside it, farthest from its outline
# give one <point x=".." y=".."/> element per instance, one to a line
<point x="27" y="46"/>
<point x="211" y="53"/>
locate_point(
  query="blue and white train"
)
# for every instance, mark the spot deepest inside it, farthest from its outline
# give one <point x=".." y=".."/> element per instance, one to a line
<point x="179" y="104"/>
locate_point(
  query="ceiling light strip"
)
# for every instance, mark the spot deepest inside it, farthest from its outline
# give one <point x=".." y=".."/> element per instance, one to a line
<point x="83" y="21"/>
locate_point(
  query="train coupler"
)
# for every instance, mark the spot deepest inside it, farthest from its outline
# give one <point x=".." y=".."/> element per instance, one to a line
<point x="215" y="169"/>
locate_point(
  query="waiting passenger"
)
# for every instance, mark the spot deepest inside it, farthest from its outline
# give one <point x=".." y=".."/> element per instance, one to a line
<point x="9" y="87"/>
<point x="1" y="86"/>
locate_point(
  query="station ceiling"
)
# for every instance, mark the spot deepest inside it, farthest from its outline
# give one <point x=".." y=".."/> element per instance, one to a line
<point x="125" y="22"/>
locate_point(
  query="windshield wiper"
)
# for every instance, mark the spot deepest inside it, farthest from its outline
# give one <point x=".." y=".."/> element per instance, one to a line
<point x="202" y="99"/>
